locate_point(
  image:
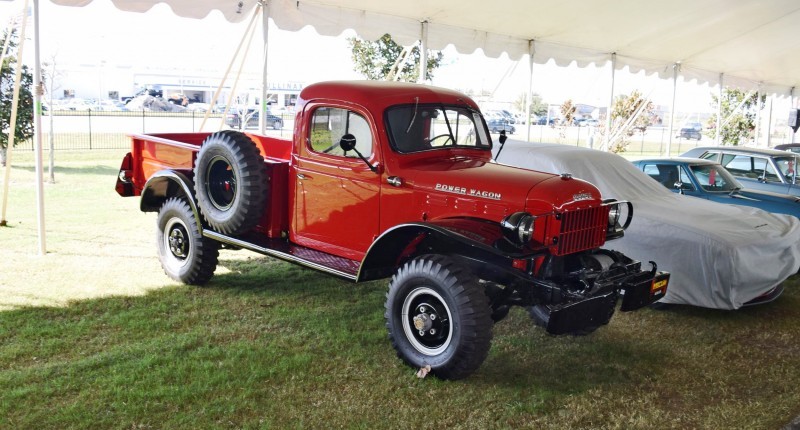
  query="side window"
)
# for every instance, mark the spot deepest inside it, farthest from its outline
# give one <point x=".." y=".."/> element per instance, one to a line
<point x="740" y="165"/>
<point x="768" y="170"/>
<point x="651" y="170"/>
<point x="685" y="179"/>
<point x="328" y="125"/>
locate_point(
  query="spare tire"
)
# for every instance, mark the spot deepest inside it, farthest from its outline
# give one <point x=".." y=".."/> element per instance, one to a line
<point x="230" y="180"/>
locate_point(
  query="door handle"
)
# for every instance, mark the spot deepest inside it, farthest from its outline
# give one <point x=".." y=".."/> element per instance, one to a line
<point x="301" y="176"/>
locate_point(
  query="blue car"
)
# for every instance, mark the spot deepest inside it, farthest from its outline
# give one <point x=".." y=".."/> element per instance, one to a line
<point x="709" y="180"/>
<point x="756" y="168"/>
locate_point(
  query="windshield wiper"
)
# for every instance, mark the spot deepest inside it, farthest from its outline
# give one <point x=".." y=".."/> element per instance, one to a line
<point x="449" y="129"/>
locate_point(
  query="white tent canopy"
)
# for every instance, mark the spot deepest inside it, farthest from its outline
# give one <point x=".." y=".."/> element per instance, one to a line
<point x="750" y="43"/>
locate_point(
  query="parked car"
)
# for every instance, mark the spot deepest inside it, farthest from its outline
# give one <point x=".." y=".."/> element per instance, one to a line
<point x="708" y="180"/>
<point x="544" y="121"/>
<point x="500" y="124"/>
<point x="758" y="169"/>
<point x="233" y="120"/>
<point x="720" y="256"/>
<point x="791" y="147"/>
<point x="692" y="130"/>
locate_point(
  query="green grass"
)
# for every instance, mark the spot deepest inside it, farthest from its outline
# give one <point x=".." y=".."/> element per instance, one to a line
<point x="93" y="335"/>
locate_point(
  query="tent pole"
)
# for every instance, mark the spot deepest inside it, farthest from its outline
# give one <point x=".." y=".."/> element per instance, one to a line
<point x="423" y="53"/>
<point x="792" y="106"/>
<point x="37" y="130"/>
<point x="607" y="142"/>
<point x="718" y="137"/>
<point x="529" y="99"/>
<point x="758" y="116"/>
<point x="13" y="121"/>
<point x="262" y="117"/>
<point x="675" y="69"/>
<point x="227" y="72"/>
<point x="769" y="121"/>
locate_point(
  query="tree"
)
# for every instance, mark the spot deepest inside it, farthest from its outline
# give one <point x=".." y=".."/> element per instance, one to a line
<point x="24" y="126"/>
<point x="384" y="59"/>
<point x="538" y="107"/>
<point x="628" y="114"/>
<point x="568" y="110"/>
<point x="738" y="125"/>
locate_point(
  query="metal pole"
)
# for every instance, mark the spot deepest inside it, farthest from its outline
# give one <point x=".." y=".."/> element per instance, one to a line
<point x="607" y="143"/>
<point x="758" y="115"/>
<point x="37" y="130"/>
<point x="791" y="100"/>
<point x="423" y="54"/>
<point x="529" y="100"/>
<point x="14" y="106"/>
<point x="262" y="117"/>
<point x="675" y="69"/>
<point x="718" y="138"/>
<point x="769" y="121"/>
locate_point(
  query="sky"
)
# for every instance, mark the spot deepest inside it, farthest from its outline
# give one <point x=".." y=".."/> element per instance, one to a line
<point x="101" y="34"/>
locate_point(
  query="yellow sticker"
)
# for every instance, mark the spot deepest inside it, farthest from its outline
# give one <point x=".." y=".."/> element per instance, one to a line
<point x="658" y="285"/>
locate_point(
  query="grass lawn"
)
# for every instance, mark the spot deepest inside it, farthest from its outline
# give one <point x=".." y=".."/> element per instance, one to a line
<point x="94" y="335"/>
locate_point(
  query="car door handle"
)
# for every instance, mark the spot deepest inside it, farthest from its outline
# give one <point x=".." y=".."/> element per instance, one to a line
<point x="301" y="176"/>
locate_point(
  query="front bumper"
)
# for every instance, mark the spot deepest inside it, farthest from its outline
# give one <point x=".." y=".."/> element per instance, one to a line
<point x="637" y="291"/>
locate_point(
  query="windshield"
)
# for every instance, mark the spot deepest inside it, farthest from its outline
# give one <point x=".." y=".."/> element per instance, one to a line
<point x="420" y="127"/>
<point x="714" y="178"/>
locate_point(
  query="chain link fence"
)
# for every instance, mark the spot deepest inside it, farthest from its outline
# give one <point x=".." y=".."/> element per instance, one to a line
<point x="87" y="130"/>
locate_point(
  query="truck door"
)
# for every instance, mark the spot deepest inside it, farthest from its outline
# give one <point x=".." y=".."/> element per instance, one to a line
<point x="337" y="195"/>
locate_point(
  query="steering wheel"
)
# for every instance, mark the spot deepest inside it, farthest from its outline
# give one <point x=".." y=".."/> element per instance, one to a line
<point x="448" y="136"/>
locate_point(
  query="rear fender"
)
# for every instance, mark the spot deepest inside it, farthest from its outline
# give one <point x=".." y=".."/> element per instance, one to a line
<point x="165" y="184"/>
<point x="478" y="241"/>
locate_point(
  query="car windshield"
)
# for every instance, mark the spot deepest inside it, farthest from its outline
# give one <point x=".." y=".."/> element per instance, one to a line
<point x="714" y="178"/>
<point x="418" y="127"/>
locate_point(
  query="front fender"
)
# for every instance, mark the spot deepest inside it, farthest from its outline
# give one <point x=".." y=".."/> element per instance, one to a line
<point x="471" y="238"/>
<point x="165" y="184"/>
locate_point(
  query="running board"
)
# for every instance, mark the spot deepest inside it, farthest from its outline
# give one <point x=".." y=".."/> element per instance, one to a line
<point x="324" y="262"/>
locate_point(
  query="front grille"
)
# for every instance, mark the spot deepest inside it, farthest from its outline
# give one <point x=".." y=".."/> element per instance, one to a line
<point x="582" y="229"/>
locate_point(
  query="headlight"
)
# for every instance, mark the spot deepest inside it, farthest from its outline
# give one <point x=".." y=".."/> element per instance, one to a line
<point x="618" y="210"/>
<point x="613" y="216"/>
<point x="518" y="227"/>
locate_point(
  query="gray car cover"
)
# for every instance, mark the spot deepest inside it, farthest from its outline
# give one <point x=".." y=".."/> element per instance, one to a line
<point x="720" y="256"/>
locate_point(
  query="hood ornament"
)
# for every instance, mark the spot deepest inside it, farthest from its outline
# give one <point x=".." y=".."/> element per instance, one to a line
<point x="566" y="176"/>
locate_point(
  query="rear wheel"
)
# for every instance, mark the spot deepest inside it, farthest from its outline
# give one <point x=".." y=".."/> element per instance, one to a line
<point x="185" y="255"/>
<point x="277" y="125"/>
<point x="437" y="314"/>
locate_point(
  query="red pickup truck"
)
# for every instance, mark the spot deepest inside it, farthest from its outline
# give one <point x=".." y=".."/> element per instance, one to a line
<point x="396" y="180"/>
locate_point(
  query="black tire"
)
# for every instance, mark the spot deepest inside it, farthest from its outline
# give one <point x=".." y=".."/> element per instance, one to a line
<point x="230" y="182"/>
<point x="185" y="255"/>
<point x="540" y="315"/>
<point x="277" y="125"/>
<point x="439" y="298"/>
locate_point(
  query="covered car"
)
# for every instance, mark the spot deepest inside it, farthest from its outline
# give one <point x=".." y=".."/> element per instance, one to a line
<point x="720" y="256"/>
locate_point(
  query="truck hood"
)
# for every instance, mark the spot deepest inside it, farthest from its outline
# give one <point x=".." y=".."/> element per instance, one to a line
<point x="486" y="183"/>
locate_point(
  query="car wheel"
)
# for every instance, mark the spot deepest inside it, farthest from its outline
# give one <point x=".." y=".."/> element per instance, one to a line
<point x="230" y="182"/>
<point x="277" y="125"/>
<point x="184" y="253"/>
<point x="437" y="314"/>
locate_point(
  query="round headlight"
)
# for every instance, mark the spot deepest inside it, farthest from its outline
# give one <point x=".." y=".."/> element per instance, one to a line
<point x="613" y="215"/>
<point x="518" y="227"/>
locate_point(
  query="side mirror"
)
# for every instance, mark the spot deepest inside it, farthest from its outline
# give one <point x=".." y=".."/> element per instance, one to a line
<point x="503" y="137"/>
<point x="347" y="142"/>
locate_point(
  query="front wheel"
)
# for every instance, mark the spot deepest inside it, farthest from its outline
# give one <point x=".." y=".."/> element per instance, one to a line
<point x="185" y="255"/>
<point x="437" y="314"/>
